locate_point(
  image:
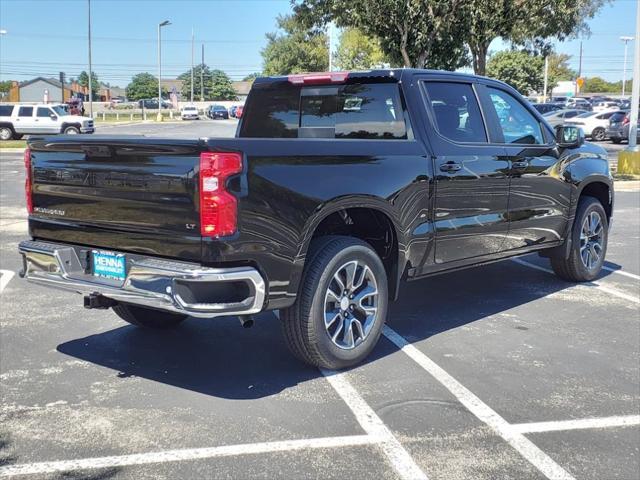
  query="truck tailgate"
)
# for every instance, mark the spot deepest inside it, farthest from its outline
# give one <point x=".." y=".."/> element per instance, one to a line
<point x="134" y="194"/>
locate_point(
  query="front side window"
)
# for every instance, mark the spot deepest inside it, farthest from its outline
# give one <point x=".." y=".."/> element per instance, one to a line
<point x="43" y="112"/>
<point x="25" y="111"/>
<point x="456" y="111"/>
<point x="517" y="123"/>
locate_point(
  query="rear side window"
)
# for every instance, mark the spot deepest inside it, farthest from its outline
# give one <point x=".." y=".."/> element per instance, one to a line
<point x="5" y="110"/>
<point x="272" y="113"/>
<point x="357" y="111"/>
<point x="456" y="111"/>
<point x="617" y="117"/>
<point x="25" y="111"/>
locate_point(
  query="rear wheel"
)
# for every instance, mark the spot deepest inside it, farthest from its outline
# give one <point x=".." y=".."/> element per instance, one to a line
<point x="598" y="134"/>
<point x="6" y="133"/>
<point x="147" y="317"/>
<point x="589" y="243"/>
<point x="616" y="140"/>
<point x="342" y="304"/>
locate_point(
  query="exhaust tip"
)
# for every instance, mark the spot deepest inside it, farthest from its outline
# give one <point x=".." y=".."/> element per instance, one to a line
<point x="246" y="321"/>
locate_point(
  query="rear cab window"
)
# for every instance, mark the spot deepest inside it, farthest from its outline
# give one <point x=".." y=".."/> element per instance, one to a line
<point x="352" y="111"/>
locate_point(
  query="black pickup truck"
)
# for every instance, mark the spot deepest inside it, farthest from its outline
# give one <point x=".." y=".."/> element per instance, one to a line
<point x="336" y="187"/>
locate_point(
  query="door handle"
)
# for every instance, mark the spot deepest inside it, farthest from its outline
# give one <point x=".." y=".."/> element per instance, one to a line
<point x="520" y="165"/>
<point x="450" y="167"/>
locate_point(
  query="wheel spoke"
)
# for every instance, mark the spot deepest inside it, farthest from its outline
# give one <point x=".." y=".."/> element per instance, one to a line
<point x="364" y="271"/>
<point x="332" y="296"/>
<point x="350" y="270"/>
<point x="358" y="327"/>
<point x="330" y="318"/>
<point x="363" y="294"/>
<point x="347" y="337"/>
<point x="339" y="281"/>
<point x="334" y="337"/>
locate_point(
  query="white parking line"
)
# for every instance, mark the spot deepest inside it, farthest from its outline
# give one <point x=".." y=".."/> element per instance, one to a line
<point x="375" y="427"/>
<point x="482" y="411"/>
<point x="5" y="278"/>
<point x="584" y="423"/>
<point x="622" y="272"/>
<point x="599" y="286"/>
<point x="185" y="454"/>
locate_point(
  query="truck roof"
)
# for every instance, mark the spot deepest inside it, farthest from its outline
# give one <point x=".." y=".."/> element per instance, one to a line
<point x="389" y="74"/>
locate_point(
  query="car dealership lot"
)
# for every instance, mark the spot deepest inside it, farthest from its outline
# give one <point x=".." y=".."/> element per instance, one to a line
<point x="502" y="371"/>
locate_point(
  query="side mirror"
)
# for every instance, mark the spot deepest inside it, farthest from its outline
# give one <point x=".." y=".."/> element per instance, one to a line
<point x="53" y="116"/>
<point x="569" y="136"/>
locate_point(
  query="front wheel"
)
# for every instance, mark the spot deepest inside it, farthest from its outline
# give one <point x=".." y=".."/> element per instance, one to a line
<point x="147" y="317"/>
<point x="71" y="130"/>
<point x="342" y="304"/>
<point x="598" y="134"/>
<point x="589" y="243"/>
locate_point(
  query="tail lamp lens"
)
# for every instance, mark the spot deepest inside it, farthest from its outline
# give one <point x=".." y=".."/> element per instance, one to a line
<point x="27" y="182"/>
<point x="218" y="207"/>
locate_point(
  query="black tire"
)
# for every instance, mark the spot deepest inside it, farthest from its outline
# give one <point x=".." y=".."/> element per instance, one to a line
<point x="573" y="269"/>
<point x="147" y="317"/>
<point x="7" y="133"/>
<point x="598" y="134"/>
<point x="17" y="136"/>
<point x="616" y="140"/>
<point x="70" y="130"/>
<point x="303" y="324"/>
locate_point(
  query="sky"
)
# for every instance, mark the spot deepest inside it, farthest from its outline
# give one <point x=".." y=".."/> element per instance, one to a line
<point x="46" y="36"/>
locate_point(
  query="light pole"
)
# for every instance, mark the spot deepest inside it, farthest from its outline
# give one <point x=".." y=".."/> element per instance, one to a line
<point x="90" y="83"/>
<point x="626" y="40"/>
<point x="160" y="25"/>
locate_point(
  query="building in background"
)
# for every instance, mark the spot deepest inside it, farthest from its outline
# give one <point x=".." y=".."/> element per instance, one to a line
<point x="41" y="89"/>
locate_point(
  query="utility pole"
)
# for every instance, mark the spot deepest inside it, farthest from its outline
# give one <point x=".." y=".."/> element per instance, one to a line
<point x="192" y="40"/>
<point x="546" y="79"/>
<point x="635" y="93"/>
<point x="329" y="35"/>
<point x="160" y="25"/>
<point x="90" y="80"/>
<point x="579" y="70"/>
<point x="202" y="76"/>
<point x="626" y="40"/>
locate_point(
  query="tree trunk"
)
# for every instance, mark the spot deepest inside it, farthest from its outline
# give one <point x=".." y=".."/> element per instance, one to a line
<point x="479" y="53"/>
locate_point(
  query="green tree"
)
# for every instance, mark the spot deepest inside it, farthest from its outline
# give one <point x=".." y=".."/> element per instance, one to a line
<point x="599" y="85"/>
<point x="83" y="80"/>
<point x="524" y="22"/>
<point x="143" y="85"/>
<point x="294" y="49"/>
<point x="413" y="33"/>
<point x="251" y="77"/>
<point x="559" y="69"/>
<point x="217" y="85"/>
<point x="357" y="51"/>
<point x="522" y="70"/>
<point x="5" y="86"/>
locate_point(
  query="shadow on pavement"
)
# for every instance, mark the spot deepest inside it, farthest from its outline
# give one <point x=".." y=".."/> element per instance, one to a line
<point x="219" y="358"/>
<point x="214" y="357"/>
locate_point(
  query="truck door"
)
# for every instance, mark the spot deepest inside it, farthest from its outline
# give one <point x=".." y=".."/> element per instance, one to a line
<point x="539" y="195"/>
<point x="471" y="174"/>
<point x="46" y="121"/>
<point x="23" y="120"/>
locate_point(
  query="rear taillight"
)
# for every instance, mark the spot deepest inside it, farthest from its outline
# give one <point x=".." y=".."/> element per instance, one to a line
<point x="218" y="207"/>
<point x="626" y="120"/>
<point x="27" y="181"/>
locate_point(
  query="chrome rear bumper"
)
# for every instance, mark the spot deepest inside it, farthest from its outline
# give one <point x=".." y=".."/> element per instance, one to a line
<point x="177" y="287"/>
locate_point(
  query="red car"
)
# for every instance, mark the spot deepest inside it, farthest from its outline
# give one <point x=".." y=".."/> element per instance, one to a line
<point x="239" y="111"/>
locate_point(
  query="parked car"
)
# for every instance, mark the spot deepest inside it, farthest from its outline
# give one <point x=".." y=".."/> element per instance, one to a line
<point x="560" y="99"/>
<point x="594" y="124"/>
<point x="239" y="111"/>
<point x="547" y="107"/>
<point x="189" y="112"/>
<point x="29" y="119"/>
<point x="232" y="111"/>
<point x="217" y="111"/>
<point x="318" y="208"/>
<point x="152" y="104"/>
<point x="557" y="117"/>
<point x="579" y="103"/>
<point x="619" y="126"/>
<point x="606" y="106"/>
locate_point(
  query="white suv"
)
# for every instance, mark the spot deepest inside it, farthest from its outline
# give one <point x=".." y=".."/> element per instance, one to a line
<point x="190" y="112"/>
<point x="22" y="119"/>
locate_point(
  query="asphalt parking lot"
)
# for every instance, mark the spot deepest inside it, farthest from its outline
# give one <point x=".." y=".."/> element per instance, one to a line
<point x="498" y="372"/>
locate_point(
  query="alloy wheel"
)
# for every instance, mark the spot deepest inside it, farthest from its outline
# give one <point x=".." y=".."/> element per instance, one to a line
<point x="351" y="305"/>
<point x="591" y="239"/>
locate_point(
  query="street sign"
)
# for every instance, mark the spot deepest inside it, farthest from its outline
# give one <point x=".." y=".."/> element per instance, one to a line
<point x="580" y="82"/>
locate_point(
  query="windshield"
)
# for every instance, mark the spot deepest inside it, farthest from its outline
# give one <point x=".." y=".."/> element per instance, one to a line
<point x="59" y="110"/>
